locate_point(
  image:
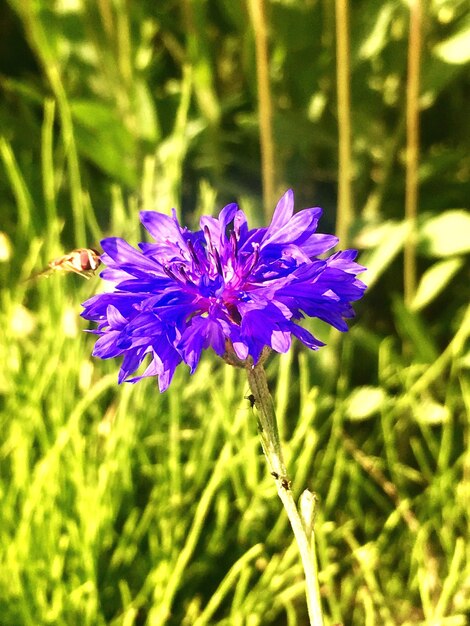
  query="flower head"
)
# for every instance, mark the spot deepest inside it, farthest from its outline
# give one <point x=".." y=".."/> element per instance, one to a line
<point x="225" y="286"/>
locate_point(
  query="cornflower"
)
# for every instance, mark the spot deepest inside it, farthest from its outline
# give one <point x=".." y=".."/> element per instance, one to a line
<point x="227" y="287"/>
<point x="239" y="291"/>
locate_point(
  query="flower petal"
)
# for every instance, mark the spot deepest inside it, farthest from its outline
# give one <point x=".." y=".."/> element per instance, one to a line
<point x="282" y="213"/>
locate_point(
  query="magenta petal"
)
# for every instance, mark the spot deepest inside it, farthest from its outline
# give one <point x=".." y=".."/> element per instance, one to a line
<point x="163" y="228"/>
<point x="241" y="350"/>
<point x="227" y="215"/>
<point x="114" y="317"/>
<point x="123" y="254"/>
<point x="319" y="244"/>
<point x="296" y="228"/>
<point x="282" y="213"/>
<point x="306" y="337"/>
<point x="106" y="347"/>
<point x="202" y="333"/>
<point x="280" y="340"/>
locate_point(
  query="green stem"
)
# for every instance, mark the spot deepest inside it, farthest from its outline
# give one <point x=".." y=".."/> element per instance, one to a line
<point x="271" y="443"/>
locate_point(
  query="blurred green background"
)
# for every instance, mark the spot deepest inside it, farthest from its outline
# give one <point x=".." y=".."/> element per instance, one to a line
<point x="122" y="506"/>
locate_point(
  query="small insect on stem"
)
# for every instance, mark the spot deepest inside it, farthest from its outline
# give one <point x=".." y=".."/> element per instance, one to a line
<point x="251" y="400"/>
<point x="82" y="261"/>
<point x="285" y="482"/>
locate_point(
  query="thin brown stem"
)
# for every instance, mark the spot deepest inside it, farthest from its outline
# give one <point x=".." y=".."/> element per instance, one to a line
<point x="412" y="147"/>
<point x="257" y="12"/>
<point x="345" y="203"/>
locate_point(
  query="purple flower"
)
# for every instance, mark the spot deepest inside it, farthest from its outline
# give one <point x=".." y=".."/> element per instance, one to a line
<point x="225" y="286"/>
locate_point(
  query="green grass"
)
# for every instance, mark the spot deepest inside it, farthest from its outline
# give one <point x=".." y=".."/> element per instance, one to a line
<point x="121" y="506"/>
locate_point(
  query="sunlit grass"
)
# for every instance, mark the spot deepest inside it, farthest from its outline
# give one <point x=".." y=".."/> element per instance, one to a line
<point x="120" y="504"/>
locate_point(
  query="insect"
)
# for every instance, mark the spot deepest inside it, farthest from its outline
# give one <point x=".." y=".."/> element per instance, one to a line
<point x="251" y="400"/>
<point x="82" y="261"/>
<point x="285" y="482"/>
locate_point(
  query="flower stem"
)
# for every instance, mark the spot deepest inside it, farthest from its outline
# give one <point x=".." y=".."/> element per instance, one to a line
<point x="303" y="531"/>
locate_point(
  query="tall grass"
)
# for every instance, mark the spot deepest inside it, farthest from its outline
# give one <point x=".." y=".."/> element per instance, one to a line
<point x="345" y="211"/>
<point x="125" y="507"/>
<point x="412" y="148"/>
<point x="257" y="10"/>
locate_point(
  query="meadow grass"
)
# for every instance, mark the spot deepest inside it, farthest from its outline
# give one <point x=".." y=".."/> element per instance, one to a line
<point x="124" y="506"/>
<point x="121" y="506"/>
